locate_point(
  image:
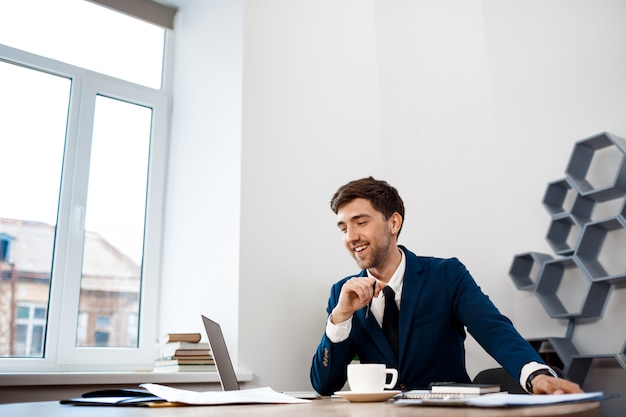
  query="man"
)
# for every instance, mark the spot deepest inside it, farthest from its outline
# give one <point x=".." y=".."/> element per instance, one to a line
<point x="437" y="300"/>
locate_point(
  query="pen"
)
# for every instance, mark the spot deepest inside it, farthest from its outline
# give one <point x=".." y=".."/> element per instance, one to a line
<point x="369" y="305"/>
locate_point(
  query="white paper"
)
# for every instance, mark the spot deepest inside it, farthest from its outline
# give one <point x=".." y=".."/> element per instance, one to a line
<point x="264" y="395"/>
<point x="500" y="400"/>
<point x="505" y="400"/>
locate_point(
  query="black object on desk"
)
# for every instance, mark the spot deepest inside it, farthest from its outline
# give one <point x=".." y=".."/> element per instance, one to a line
<point x="123" y="397"/>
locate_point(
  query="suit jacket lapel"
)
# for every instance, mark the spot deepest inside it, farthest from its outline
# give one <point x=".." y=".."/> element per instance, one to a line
<point x="376" y="333"/>
<point x="411" y="286"/>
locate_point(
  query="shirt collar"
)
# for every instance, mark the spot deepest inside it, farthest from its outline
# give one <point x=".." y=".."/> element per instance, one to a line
<point x="398" y="276"/>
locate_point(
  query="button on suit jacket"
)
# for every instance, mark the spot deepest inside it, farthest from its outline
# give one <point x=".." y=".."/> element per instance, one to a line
<point x="440" y="299"/>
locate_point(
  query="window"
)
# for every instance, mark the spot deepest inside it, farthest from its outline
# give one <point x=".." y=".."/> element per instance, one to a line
<point x="82" y="162"/>
<point x="86" y="35"/>
<point x="30" y="325"/>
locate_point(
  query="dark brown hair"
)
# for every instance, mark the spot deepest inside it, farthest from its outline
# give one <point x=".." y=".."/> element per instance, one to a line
<point x="381" y="195"/>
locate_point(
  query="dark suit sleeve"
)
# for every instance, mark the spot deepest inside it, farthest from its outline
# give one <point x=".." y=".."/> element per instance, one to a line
<point x="329" y="365"/>
<point x="492" y="330"/>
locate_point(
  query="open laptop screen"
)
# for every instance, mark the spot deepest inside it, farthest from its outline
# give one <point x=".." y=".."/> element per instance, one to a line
<point x="224" y="365"/>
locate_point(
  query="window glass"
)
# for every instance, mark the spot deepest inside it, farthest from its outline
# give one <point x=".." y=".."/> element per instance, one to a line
<point x="36" y="343"/>
<point x="29" y="332"/>
<point x="20" y="346"/>
<point x="34" y="106"/>
<point x="101" y="40"/>
<point x="22" y="312"/>
<point x="114" y="220"/>
<point x="40" y="313"/>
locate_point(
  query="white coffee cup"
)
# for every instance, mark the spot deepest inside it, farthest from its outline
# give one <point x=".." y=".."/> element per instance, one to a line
<point x="370" y="377"/>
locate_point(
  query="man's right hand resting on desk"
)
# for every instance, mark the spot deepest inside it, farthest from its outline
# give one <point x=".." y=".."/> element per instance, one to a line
<point x="547" y="384"/>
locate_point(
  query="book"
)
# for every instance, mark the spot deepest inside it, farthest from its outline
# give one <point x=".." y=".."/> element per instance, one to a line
<point x="458" y="388"/>
<point x="185" y="345"/>
<point x="182" y="337"/>
<point x="184" y="361"/>
<point x="183" y="349"/>
<point x="182" y="354"/>
<point x="185" y="353"/>
<point x="185" y="368"/>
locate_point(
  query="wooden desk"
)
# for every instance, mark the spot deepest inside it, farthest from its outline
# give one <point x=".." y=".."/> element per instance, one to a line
<point x="317" y="408"/>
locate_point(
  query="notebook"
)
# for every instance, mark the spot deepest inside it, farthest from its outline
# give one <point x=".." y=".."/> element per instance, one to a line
<point x="223" y="364"/>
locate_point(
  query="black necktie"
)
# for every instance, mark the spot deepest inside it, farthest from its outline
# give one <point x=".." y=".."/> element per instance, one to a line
<point x="390" y="318"/>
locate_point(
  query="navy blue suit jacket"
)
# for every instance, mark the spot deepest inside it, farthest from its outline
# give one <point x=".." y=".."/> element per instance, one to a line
<point x="440" y="299"/>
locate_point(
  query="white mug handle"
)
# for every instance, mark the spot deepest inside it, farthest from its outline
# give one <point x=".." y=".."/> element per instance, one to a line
<point x="394" y="377"/>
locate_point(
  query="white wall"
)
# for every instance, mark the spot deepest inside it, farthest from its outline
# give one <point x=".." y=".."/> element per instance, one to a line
<point x="310" y="122"/>
<point x="202" y="227"/>
<point x="468" y="107"/>
<point x="557" y="73"/>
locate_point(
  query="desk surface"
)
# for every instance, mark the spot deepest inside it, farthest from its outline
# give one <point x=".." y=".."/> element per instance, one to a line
<point x="317" y="408"/>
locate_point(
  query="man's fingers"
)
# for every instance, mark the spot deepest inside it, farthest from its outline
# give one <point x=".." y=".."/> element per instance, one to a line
<point x="363" y="289"/>
<point x="544" y="384"/>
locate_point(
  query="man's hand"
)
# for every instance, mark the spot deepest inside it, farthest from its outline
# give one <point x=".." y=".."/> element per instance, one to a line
<point x="545" y="384"/>
<point x="355" y="294"/>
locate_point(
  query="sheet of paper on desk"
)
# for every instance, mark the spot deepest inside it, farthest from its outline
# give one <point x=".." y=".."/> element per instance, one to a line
<point x="500" y="400"/>
<point x="264" y="395"/>
<point x="510" y="400"/>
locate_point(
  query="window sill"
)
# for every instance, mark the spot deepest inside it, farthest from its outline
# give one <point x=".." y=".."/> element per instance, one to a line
<point x="102" y="378"/>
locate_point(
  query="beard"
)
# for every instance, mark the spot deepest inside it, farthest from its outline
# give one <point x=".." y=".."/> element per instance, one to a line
<point x="377" y="253"/>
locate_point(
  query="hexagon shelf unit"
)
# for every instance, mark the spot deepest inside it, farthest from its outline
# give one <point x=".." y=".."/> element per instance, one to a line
<point x="596" y="168"/>
<point x="559" y="197"/>
<point x="580" y="364"/>
<point x="578" y="283"/>
<point x="565" y="291"/>
<point x="601" y="250"/>
<point x="569" y="212"/>
<point x="622" y="213"/>
<point x="563" y="234"/>
<point x="526" y="268"/>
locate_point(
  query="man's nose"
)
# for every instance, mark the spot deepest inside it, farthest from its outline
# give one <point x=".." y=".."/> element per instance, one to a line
<point x="351" y="235"/>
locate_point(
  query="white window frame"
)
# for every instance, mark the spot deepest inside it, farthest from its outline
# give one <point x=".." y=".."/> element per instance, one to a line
<point x="61" y="354"/>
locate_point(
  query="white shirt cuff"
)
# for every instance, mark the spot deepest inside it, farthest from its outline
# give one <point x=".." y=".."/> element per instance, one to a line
<point x="338" y="332"/>
<point x="531" y="367"/>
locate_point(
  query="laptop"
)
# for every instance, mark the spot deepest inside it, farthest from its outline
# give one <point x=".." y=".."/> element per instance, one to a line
<point x="223" y="364"/>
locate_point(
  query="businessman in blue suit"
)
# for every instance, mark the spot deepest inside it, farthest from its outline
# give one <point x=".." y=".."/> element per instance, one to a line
<point x="436" y="300"/>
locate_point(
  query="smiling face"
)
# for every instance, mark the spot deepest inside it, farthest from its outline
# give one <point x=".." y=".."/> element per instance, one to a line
<point x="368" y="236"/>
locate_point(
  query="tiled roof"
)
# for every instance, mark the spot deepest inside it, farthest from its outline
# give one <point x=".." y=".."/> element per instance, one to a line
<point x="32" y="245"/>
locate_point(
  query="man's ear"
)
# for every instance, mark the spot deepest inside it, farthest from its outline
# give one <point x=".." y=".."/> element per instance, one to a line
<point x="395" y="222"/>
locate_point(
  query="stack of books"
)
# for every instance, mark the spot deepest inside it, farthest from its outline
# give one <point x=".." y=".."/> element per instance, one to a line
<point x="183" y="352"/>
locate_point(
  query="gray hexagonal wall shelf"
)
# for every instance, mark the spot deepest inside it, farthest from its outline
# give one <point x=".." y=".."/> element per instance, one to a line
<point x="577" y="285"/>
<point x="566" y="292"/>
<point x="601" y="250"/>
<point x="563" y="234"/>
<point x="559" y="197"/>
<point x="579" y="366"/>
<point x="622" y="212"/>
<point x="562" y="199"/>
<point x="561" y="346"/>
<point x="525" y="269"/>
<point x="596" y="168"/>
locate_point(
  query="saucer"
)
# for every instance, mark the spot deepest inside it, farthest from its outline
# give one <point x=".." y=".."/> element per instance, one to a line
<point x="362" y="397"/>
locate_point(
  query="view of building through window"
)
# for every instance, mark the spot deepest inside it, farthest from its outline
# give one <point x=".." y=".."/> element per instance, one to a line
<point x="32" y="142"/>
<point x="115" y="208"/>
<point x="98" y="179"/>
